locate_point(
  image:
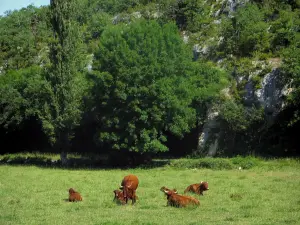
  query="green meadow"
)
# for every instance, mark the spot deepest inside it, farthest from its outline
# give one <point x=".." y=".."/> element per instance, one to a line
<point x="264" y="194"/>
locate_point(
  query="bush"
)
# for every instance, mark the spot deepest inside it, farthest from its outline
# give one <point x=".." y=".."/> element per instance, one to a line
<point x="245" y="162"/>
<point x="209" y="163"/>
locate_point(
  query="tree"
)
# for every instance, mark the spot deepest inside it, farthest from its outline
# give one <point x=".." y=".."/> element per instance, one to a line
<point x="246" y="32"/>
<point x="145" y="86"/>
<point x="17" y="91"/>
<point x="241" y="125"/>
<point x="23" y="35"/>
<point x="62" y="110"/>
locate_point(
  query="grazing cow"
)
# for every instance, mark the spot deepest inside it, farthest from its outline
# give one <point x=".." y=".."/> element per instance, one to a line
<point x="128" y="186"/>
<point x="74" y="196"/>
<point x="198" y="188"/>
<point x="177" y="200"/>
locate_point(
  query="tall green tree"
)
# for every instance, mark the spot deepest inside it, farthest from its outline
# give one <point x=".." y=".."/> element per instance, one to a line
<point x="145" y="86"/>
<point x="62" y="111"/>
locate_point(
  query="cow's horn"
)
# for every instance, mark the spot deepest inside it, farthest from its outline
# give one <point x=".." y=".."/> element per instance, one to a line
<point x="201" y="182"/>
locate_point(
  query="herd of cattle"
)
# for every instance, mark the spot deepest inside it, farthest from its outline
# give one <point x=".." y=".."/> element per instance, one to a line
<point x="128" y="191"/>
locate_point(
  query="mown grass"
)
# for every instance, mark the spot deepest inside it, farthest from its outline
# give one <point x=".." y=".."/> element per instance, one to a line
<point x="269" y="194"/>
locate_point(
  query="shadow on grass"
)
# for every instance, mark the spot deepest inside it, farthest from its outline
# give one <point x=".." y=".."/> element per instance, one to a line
<point x="84" y="162"/>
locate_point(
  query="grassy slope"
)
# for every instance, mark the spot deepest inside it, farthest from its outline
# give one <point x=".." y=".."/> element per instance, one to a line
<point x="32" y="195"/>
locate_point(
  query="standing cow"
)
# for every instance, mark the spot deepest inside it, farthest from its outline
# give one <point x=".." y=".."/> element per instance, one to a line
<point x="197" y="188"/>
<point x="177" y="200"/>
<point x="128" y="186"/>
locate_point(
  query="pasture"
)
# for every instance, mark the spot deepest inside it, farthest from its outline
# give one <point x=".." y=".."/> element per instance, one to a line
<point x="260" y="195"/>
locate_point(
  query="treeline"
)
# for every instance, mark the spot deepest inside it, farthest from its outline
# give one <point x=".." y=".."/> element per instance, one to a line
<point x="99" y="75"/>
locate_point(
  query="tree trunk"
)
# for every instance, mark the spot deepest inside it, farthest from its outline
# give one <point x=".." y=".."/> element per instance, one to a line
<point x="64" y="158"/>
<point x="64" y="148"/>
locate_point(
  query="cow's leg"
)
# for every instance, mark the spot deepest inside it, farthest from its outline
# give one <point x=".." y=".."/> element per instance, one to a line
<point x="125" y="194"/>
<point x="133" y="197"/>
<point x="187" y="189"/>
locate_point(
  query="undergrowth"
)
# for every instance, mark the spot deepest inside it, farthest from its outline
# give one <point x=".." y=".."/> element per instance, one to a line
<point x="98" y="161"/>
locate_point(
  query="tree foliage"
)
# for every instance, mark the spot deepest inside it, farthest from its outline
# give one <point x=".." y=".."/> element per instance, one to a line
<point x="246" y="32"/>
<point x="22" y="35"/>
<point x="145" y="86"/>
<point x="241" y="125"/>
<point x="20" y="91"/>
<point x="61" y="112"/>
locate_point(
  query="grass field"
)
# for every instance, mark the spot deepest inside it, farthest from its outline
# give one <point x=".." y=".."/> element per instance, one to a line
<point x="261" y="195"/>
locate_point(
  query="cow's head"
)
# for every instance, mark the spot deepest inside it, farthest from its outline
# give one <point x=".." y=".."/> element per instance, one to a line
<point x="168" y="191"/>
<point x="119" y="197"/>
<point x="204" y="186"/>
<point x="71" y="191"/>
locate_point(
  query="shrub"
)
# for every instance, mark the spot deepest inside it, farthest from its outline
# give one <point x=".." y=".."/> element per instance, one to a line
<point x="209" y="163"/>
<point x="245" y="162"/>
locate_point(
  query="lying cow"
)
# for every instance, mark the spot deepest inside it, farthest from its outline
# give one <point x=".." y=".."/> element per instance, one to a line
<point x="74" y="196"/>
<point x="128" y="186"/>
<point x="197" y="188"/>
<point x="177" y="200"/>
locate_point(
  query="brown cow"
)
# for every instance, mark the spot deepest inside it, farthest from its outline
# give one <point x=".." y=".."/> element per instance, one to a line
<point x="177" y="200"/>
<point x="128" y="186"/>
<point x="198" y="188"/>
<point x="74" y="196"/>
<point x="119" y="197"/>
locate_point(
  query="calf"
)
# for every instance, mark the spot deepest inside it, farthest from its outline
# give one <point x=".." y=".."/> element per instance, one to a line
<point x="198" y="188"/>
<point x="128" y="186"/>
<point x="177" y="200"/>
<point x="74" y="196"/>
<point x="119" y="197"/>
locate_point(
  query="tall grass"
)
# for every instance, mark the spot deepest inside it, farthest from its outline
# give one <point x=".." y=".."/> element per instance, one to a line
<point x="37" y="195"/>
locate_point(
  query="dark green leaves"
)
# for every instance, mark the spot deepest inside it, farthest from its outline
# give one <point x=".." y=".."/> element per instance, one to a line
<point x="147" y="85"/>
